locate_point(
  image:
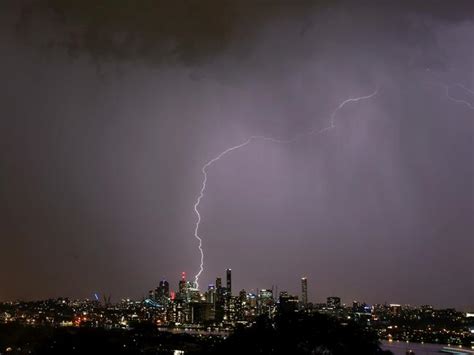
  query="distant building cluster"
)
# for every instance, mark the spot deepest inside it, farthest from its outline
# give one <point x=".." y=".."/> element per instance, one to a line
<point x="218" y="306"/>
<point x="218" y="310"/>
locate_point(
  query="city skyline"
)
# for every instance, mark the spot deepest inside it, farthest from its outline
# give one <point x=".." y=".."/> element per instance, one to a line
<point x="303" y="295"/>
<point x="166" y="287"/>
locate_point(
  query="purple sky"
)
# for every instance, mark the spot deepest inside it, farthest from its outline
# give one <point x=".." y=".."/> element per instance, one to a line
<point x="108" y="114"/>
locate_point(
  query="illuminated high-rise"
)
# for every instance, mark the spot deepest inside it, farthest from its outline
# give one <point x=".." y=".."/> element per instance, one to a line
<point x="162" y="292"/>
<point x="229" y="281"/>
<point x="182" y="284"/>
<point x="287" y="303"/>
<point x="219" y="304"/>
<point x="164" y="289"/>
<point x="211" y="294"/>
<point x="265" y="301"/>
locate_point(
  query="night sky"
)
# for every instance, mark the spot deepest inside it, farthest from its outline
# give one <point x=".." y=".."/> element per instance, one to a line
<point x="109" y="109"/>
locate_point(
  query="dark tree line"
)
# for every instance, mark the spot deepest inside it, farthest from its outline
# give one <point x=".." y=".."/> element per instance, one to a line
<point x="302" y="334"/>
<point x="293" y="334"/>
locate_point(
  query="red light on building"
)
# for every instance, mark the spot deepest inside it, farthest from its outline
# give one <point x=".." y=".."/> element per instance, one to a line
<point x="183" y="276"/>
<point x="173" y="295"/>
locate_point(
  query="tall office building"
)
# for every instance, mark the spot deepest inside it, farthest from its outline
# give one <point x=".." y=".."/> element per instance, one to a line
<point x="220" y="291"/>
<point x="211" y="294"/>
<point x="265" y="301"/>
<point x="219" y="304"/>
<point x="304" y="291"/>
<point x="164" y="289"/>
<point x="229" y="281"/>
<point x="287" y="303"/>
<point x="162" y="292"/>
<point x="182" y="284"/>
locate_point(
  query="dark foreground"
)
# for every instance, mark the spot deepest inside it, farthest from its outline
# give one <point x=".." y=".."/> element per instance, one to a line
<point x="316" y="334"/>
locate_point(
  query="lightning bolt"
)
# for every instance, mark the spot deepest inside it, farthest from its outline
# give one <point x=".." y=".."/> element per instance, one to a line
<point x="447" y="91"/>
<point x="198" y="201"/>
<point x="206" y="166"/>
<point x="459" y="101"/>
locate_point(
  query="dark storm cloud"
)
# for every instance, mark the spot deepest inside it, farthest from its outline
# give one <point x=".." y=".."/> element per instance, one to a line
<point x="99" y="173"/>
<point x="150" y="30"/>
<point x="195" y="31"/>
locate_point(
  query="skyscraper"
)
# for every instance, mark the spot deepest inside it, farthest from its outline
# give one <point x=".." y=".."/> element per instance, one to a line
<point x="265" y="301"/>
<point x="219" y="304"/>
<point x="162" y="292"/>
<point x="220" y="291"/>
<point x="287" y="303"/>
<point x="182" y="284"/>
<point x="164" y="289"/>
<point x="229" y="281"/>
<point x="304" y="291"/>
<point x="211" y="294"/>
